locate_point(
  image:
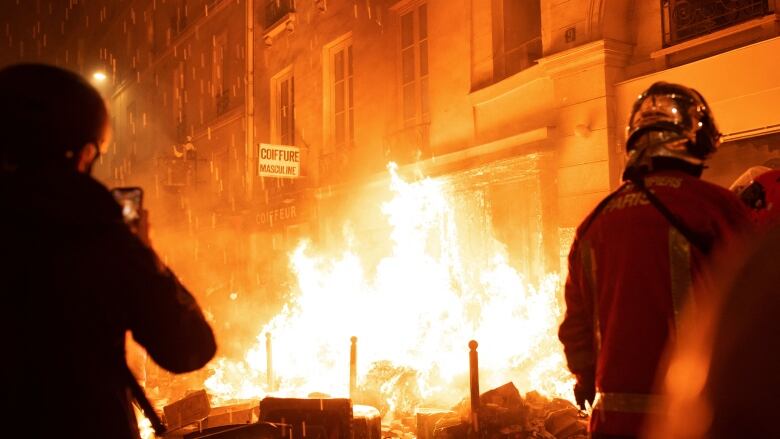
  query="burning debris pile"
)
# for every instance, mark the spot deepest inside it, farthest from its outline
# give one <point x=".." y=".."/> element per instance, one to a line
<point x="194" y="414"/>
<point x="439" y="278"/>
<point x="503" y="413"/>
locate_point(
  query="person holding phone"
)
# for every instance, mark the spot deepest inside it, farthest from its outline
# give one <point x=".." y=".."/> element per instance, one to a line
<point x="74" y="277"/>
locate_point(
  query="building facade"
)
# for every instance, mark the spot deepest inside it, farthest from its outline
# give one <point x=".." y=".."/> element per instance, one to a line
<point x="512" y="100"/>
<point x="520" y="105"/>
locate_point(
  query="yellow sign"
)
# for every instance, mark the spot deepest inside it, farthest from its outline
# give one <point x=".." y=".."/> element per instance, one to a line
<point x="280" y="161"/>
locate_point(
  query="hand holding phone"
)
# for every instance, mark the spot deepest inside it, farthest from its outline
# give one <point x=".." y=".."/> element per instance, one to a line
<point x="130" y="199"/>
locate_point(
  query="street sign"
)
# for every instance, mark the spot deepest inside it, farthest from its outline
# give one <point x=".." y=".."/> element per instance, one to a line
<point x="280" y="161"/>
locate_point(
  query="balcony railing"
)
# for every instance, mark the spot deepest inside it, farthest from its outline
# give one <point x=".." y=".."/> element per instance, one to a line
<point x="178" y="172"/>
<point x="275" y="10"/>
<point x="177" y="25"/>
<point x="181" y="130"/>
<point x="223" y="103"/>
<point x="687" y="19"/>
<point x="408" y="145"/>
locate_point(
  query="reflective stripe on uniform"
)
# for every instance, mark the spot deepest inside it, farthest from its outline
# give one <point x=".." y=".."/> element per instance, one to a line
<point x="679" y="271"/>
<point x="628" y="403"/>
<point x="589" y="270"/>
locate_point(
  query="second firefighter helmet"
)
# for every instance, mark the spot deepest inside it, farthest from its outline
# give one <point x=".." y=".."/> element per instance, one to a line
<point x="759" y="189"/>
<point x="673" y="121"/>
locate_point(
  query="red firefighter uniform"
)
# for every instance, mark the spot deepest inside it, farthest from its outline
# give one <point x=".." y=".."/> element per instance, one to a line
<point x="629" y="275"/>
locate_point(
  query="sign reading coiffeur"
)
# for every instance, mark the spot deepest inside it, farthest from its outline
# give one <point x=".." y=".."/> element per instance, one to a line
<point x="279" y="161"/>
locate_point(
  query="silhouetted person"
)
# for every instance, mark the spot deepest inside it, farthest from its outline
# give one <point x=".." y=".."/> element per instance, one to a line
<point x="636" y="255"/>
<point x="74" y="278"/>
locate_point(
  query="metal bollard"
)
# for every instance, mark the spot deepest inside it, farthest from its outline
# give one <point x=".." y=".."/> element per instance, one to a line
<point x="269" y="365"/>
<point x="353" y="368"/>
<point x="474" y="384"/>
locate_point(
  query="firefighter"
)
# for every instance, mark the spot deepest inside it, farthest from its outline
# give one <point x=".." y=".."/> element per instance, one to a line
<point x="759" y="189"/>
<point x="636" y="255"/>
<point x="74" y="278"/>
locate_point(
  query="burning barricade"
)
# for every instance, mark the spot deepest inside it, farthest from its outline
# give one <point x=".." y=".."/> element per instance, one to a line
<point x="440" y="278"/>
<point x="497" y="414"/>
<point x="502" y="413"/>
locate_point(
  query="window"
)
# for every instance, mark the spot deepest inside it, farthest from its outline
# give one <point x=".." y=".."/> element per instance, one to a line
<point x="179" y="21"/>
<point x="735" y="156"/>
<point x="275" y="10"/>
<point x="178" y="101"/>
<point x="686" y="19"/>
<point x="149" y="20"/>
<point x="339" y="77"/>
<point x="218" y="61"/>
<point x="130" y="129"/>
<point x="282" y="121"/>
<point x="131" y="120"/>
<point x="414" y="65"/>
<point x="283" y="108"/>
<point x="517" y="36"/>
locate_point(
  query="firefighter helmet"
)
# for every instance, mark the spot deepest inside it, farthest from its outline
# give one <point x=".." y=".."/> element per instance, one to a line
<point x="670" y="120"/>
<point x="759" y="189"/>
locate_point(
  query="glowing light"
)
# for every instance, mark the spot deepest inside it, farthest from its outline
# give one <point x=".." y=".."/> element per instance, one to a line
<point x="99" y="76"/>
<point x="144" y="425"/>
<point x="440" y="281"/>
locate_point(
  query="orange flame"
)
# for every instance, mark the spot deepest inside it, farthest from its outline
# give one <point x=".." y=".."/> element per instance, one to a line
<point x="144" y="424"/>
<point x="413" y="313"/>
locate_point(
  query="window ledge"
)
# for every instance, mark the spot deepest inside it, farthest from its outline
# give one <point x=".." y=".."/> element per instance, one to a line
<point x="286" y="23"/>
<point x="717" y="35"/>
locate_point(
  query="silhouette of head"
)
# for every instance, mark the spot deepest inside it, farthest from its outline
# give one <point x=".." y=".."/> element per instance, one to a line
<point x="49" y="117"/>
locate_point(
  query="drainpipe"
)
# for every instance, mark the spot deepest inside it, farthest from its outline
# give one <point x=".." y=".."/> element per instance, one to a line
<point x="249" y="100"/>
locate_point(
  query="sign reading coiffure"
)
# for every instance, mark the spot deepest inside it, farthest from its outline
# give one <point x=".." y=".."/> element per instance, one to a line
<point x="279" y="161"/>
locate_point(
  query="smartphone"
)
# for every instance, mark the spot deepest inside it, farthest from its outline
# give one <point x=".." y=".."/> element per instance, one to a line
<point x="131" y="200"/>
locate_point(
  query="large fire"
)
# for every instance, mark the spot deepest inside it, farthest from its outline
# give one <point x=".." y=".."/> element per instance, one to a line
<point x="413" y="313"/>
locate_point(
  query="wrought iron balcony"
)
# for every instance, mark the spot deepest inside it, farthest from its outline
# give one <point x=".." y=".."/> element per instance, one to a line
<point x="178" y="25"/>
<point x="687" y="19"/>
<point x="408" y="145"/>
<point x="275" y="10"/>
<point x="223" y="103"/>
<point x="181" y="129"/>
